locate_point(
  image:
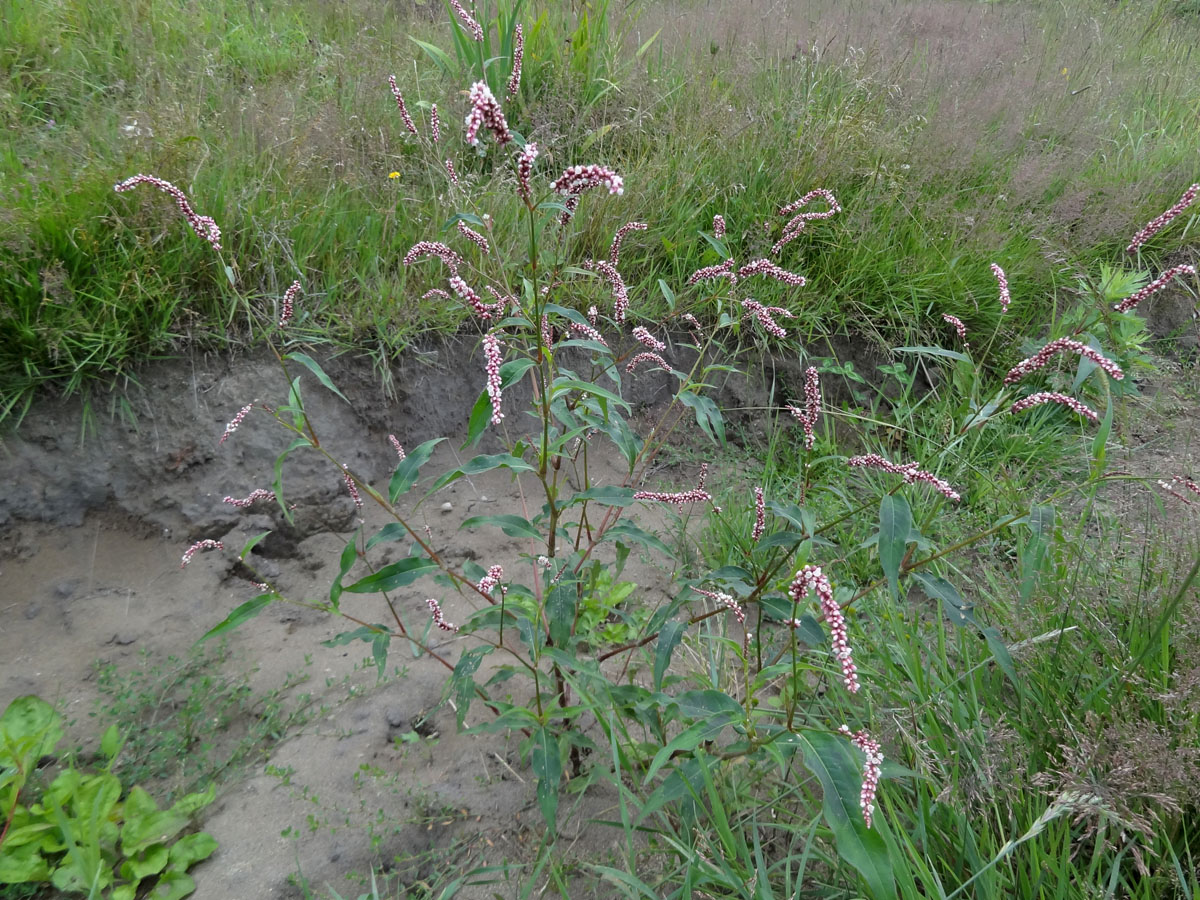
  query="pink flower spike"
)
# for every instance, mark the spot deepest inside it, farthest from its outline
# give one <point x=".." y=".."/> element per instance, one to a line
<point x="721" y="270"/>
<point x="810" y="579"/>
<point x="474" y="237"/>
<point x="1178" y="481"/>
<point x="450" y="171"/>
<point x="205" y="227"/>
<point x="619" y="291"/>
<point x="872" y="769"/>
<point x="768" y="268"/>
<point x="958" y="326"/>
<point x="469" y="24"/>
<point x="658" y="361"/>
<point x="1153" y="287"/>
<point x="911" y="472"/>
<point x="1159" y="223"/>
<point x="764" y="316"/>
<point x="589" y="332"/>
<point x="435" y="610"/>
<point x="760" y="515"/>
<point x="807" y="417"/>
<point x="235" y="423"/>
<point x="646" y="339"/>
<point x="289" y="300"/>
<point x="1043" y="356"/>
<point x="577" y="179"/>
<point x="466" y="292"/>
<point x="547" y="333"/>
<point x="435" y="123"/>
<point x="396" y="445"/>
<point x="493" y="356"/>
<point x="198" y="546"/>
<point x="718" y="226"/>
<point x="593" y="314"/>
<point x="485" y="112"/>
<point x="1005" y="297"/>
<point x="435" y="292"/>
<point x="408" y="122"/>
<point x="827" y="196"/>
<point x="726" y="600"/>
<point x="678" y="499"/>
<point x="1051" y="397"/>
<point x="491" y="581"/>
<point x="251" y="499"/>
<point x="434" y="248"/>
<point x="525" y="169"/>
<point x="352" y="488"/>
<point x="514" y="80"/>
<point x="614" y="252"/>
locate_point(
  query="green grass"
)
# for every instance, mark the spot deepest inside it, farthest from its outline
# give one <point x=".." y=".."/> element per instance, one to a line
<point x="278" y="123"/>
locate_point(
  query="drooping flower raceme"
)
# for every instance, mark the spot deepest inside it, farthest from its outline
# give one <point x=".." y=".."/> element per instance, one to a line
<point x="807" y="417"/>
<point x="1153" y="287"/>
<point x="474" y="237"/>
<point x="435" y="123"/>
<point x="646" y="339"/>
<point x="707" y="273"/>
<point x="796" y="225"/>
<point x="493" y="357"/>
<point x="911" y="471"/>
<point x="408" y="122"/>
<point x="206" y="544"/>
<point x="726" y="600"/>
<point x="525" y="169"/>
<point x="249" y="500"/>
<point x="450" y="171"/>
<point x="589" y="332"/>
<point x="760" y="515"/>
<point x="235" y="422"/>
<point x="613" y="277"/>
<point x="435" y="610"/>
<point x="765" y="314"/>
<point x="648" y="357"/>
<point x="958" y="326"/>
<point x="1053" y="397"/>
<point x="396" y="446"/>
<point x="577" y="179"/>
<point x="614" y="252"/>
<point x="1160" y="222"/>
<point x="514" y="80"/>
<point x="434" y="248"/>
<point x="810" y="579"/>
<point x="204" y="226"/>
<point x="469" y="24"/>
<point x="485" y="112"/>
<point x="1002" y="280"/>
<point x="289" y="301"/>
<point x="768" y="268"/>
<point x="352" y="488"/>
<point x="491" y="581"/>
<point x="1043" y="356"/>
<point x="872" y="769"/>
<point x="718" y="226"/>
<point x="1178" y="481"/>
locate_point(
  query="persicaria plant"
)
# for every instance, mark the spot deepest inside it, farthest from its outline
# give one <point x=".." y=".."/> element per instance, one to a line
<point x="783" y="613"/>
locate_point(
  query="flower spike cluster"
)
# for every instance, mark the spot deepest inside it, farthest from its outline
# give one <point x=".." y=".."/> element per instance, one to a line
<point x="1153" y="287"/>
<point x="726" y="600"/>
<point x="485" y="112"/>
<point x="911" y="472"/>
<point x="1159" y="223"/>
<point x="525" y="170"/>
<point x="807" y="417"/>
<point x="768" y="268"/>
<point x="235" y="422"/>
<point x="658" y="361"/>
<point x="514" y="80"/>
<point x="1043" y="356"/>
<point x="493" y="356"/>
<point x="396" y="446"/>
<point x="810" y="579"/>
<point x="251" y="499"/>
<point x="760" y="515"/>
<point x="1002" y="280"/>
<point x="435" y="123"/>
<point x="614" y="252"/>
<point x="468" y="23"/>
<point x="679" y="499"/>
<point x="352" y="488"/>
<point x="289" y="301"/>
<point x="1053" y="397"/>
<point x="872" y="769"/>
<point x="434" y="248"/>
<point x="474" y="237"/>
<point x="764" y="315"/>
<point x="408" y="122"/>
<point x="718" y="226"/>
<point x="491" y="581"/>
<point x="435" y="610"/>
<point x="721" y="270"/>
<point x="1178" y="481"/>
<point x="205" y="544"/>
<point x="796" y="224"/>
<point x="577" y="179"/>
<point x="958" y="326"/>
<point x="205" y="226"/>
<point x="589" y="332"/>
<point x="451" y="173"/>
<point x="646" y="339"/>
<point x="613" y="277"/>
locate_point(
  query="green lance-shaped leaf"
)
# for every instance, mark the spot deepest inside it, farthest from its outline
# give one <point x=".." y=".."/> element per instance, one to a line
<point x="547" y="768"/>
<point x="668" y="640"/>
<point x="395" y="575"/>
<point x="407" y="472"/>
<point x="481" y="464"/>
<point x="240" y="616"/>
<point x="313" y="366"/>
<point x="512" y="525"/>
<point x="895" y="523"/>
<point x="560" y="612"/>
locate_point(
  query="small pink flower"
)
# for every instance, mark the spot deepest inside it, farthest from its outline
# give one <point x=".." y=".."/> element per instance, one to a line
<point x="726" y="600"/>
<point x="958" y="326"/>
<point x="807" y="417"/>
<point x="435" y="292"/>
<point x="235" y="423"/>
<point x="434" y="248"/>
<point x="514" y="80"/>
<point x="707" y="273"/>
<point x="205" y="227"/>
<point x="1043" y="356"/>
<point x="614" y="252"/>
<point x="435" y="123"/>
<point x="486" y="112"/>
<point x="645" y="338"/>
<point x="493" y="356"/>
<point x="468" y="23"/>
<point x="911" y="472"/>
<point x="251" y="499"/>
<point x="1153" y="287"/>
<point x="547" y="334"/>
<point x="872" y="769"/>
<point x="593" y="314"/>
<point x="619" y="291"/>
<point x="577" y="179"/>
<point x="796" y="225"/>
<point x="1158" y="224"/>
<point x="1051" y="397"/>
<point x="760" y="515"/>
<point x="693" y="323"/>
<point x="718" y="226"/>
<point x="768" y="268"/>
<point x="658" y="361"/>
<point x="810" y="579"/>
<point x="396" y="445"/>
<point x="198" y="546"/>
<point x="474" y="237"/>
<point x="435" y="610"/>
<point x="1005" y="297"/>
<point x="450" y="171"/>
<point x="525" y="169"/>
<point x="589" y="332"/>
<point x="491" y="581"/>
<point x="352" y="488"/>
<point x="679" y="499"/>
<point x="408" y="122"/>
<point x="764" y="315"/>
<point x="466" y="292"/>
<point x="289" y="300"/>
